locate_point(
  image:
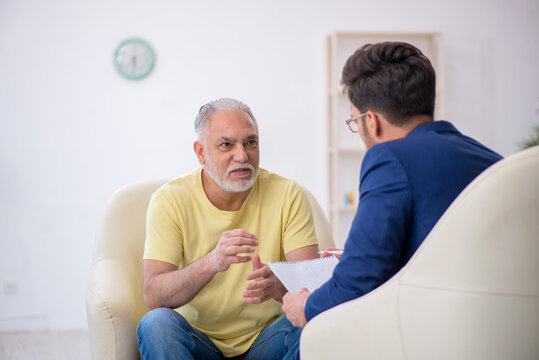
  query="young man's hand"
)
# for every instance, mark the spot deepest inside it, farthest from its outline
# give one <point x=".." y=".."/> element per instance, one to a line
<point x="332" y="252"/>
<point x="294" y="307"/>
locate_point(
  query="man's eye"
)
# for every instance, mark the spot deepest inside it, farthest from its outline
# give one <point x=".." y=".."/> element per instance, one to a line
<point x="251" y="143"/>
<point x="225" y="145"/>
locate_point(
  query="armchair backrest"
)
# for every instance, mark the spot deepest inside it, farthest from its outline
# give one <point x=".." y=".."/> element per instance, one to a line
<point x="477" y="273"/>
<point x="114" y="300"/>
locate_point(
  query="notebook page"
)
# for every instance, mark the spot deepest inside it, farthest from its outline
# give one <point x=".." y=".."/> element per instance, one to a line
<point x="310" y="274"/>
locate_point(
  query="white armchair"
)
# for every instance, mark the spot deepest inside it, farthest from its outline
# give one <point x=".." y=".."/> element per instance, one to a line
<point x="471" y="291"/>
<point x="114" y="300"/>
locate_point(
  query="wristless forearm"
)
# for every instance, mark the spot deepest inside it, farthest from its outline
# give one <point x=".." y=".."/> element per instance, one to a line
<point x="177" y="288"/>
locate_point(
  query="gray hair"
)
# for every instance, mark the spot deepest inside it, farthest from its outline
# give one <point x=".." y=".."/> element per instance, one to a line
<point x="223" y="104"/>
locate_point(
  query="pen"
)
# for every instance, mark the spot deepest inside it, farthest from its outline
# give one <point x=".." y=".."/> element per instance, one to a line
<point x="334" y="252"/>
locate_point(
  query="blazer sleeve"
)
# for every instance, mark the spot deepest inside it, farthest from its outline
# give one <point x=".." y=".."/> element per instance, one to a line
<point x="373" y="250"/>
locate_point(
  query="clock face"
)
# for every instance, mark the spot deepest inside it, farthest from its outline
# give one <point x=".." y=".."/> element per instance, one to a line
<point x="134" y="58"/>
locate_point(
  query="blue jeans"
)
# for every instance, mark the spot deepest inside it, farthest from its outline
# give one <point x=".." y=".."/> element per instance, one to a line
<point x="164" y="334"/>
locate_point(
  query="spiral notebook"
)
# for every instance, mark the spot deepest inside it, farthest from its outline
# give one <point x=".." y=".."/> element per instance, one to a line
<point x="310" y="274"/>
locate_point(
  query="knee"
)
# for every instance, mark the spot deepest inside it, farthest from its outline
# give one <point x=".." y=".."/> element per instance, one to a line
<point x="163" y="329"/>
<point x="155" y="321"/>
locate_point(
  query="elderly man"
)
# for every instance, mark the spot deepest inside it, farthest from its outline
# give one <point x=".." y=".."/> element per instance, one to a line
<point x="208" y="234"/>
<point x="413" y="170"/>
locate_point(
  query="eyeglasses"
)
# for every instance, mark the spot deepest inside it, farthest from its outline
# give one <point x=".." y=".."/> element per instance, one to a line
<point x="352" y="122"/>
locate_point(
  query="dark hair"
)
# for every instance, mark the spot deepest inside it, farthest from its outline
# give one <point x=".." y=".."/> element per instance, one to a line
<point x="392" y="78"/>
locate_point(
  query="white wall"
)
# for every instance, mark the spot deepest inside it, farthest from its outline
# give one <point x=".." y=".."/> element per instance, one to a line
<point x="72" y="130"/>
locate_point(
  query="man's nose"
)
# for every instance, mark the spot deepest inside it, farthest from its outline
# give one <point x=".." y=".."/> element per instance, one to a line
<point x="240" y="155"/>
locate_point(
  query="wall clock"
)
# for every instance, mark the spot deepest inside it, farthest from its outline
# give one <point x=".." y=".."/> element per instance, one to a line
<point x="134" y="58"/>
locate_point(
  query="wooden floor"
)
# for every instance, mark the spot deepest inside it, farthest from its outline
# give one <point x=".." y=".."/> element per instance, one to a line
<point x="57" y="345"/>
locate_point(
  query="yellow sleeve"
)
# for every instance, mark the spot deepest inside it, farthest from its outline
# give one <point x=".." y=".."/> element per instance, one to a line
<point x="163" y="230"/>
<point x="299" y="224"/>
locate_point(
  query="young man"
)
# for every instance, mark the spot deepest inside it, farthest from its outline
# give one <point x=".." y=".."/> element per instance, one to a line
<point x="203" y="232"/>
<point x="413" y="170"/>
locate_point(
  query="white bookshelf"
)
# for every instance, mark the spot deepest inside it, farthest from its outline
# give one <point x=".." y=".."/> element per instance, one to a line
<point x="345" y="149"/>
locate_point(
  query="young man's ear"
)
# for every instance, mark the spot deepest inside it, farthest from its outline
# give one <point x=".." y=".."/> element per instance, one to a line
<point x="373" y="124"/>
<point x="199" y="151"/>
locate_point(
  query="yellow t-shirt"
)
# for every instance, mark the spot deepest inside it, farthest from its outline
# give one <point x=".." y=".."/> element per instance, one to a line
<point x="183" y="225"/>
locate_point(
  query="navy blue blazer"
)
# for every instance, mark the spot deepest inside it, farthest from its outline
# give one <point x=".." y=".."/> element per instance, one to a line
<point x="405" y="187"/>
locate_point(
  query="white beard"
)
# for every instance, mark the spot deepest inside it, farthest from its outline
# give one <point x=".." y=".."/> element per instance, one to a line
<point x="224" y="182"/>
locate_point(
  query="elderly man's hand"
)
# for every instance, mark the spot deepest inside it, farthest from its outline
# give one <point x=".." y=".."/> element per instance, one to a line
<point x="294" y="307"/>
<point x="230" y="249"/>
<point x="265" y="285"/>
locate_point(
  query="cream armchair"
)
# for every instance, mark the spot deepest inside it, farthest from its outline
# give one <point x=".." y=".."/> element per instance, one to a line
<point x="471" y="291"/>
<point x="114" y="301"/>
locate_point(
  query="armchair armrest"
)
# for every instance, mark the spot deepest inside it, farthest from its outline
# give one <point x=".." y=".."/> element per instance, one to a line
<point x="114" y="305"/>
